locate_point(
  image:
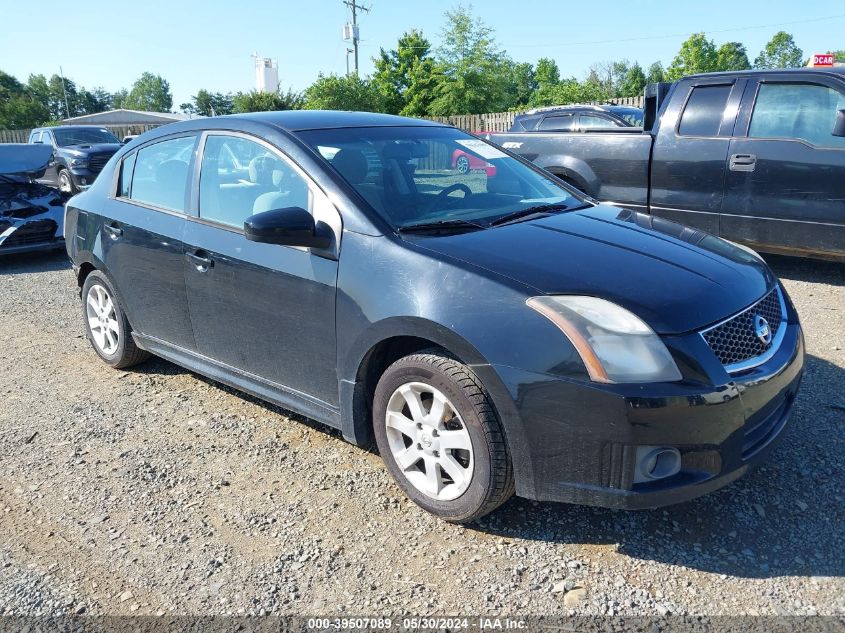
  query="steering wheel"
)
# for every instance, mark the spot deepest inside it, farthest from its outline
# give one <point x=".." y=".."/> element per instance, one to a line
<point x="458" y="186"/>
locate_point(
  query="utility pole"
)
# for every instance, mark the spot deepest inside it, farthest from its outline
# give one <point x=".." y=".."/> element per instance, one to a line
<point x="353" y="31"/>
<point x="64" y="90"/>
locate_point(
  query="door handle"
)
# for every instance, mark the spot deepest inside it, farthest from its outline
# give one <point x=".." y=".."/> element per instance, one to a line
<point x="113" y="230"/>
<point x="743" y="162"/>
<point x="201" y="260"/>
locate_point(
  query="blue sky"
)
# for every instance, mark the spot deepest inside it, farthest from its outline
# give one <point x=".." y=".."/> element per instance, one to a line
<point x="208" y="44"/>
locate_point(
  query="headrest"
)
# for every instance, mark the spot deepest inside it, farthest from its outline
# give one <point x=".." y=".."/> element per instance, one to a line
<point x="261" y="169"/>
<point x="352" y="165"/>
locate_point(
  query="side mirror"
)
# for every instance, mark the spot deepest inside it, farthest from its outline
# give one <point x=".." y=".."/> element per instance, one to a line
<point x="839" y="125"/>
<point x="292" y="226"/>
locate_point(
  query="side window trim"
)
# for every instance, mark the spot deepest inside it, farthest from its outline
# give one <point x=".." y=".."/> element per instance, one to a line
<point x="118" y="178"/>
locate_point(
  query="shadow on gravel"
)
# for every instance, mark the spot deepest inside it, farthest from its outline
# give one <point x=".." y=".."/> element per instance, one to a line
<point x="809" y="270"/>
<point x="33" y="262"/>
<point x="785" y="519"/>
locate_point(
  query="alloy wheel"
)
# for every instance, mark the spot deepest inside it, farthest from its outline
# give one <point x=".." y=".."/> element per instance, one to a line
<point x="429" y="441"/>
<point x="65" y="184"/>
<point x="102" y="319"/>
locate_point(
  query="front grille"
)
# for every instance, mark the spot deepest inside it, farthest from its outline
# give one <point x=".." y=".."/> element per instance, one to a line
<point x="96" y="162"/>
<point x="735" y="341"/>
<point x="31" y="233"/>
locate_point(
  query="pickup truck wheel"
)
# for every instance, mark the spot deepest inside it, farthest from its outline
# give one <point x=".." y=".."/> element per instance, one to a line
<point x="66" y="182"/>
<point x="106" y="325"/>
<point x="440" y="437"/>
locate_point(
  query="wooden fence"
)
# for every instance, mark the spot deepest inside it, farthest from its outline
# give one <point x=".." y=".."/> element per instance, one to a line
<point x="22" y="136"/>
<point x="490" y="122"/>
<point x="502" y="121"/>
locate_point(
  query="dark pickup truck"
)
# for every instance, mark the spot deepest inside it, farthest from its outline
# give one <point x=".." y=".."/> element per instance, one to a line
<point x="757" y="157"/>
<point x="79" y="153"/>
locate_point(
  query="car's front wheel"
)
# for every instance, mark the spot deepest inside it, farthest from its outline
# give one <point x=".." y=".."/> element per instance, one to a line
<point x="440" y="437"/>
<point x="106" y="325"/>
<point x="66" y="182"/>
<point x="462" y="164"/>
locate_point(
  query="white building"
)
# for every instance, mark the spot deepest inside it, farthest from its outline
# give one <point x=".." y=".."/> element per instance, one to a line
<point x="266" y="74"/>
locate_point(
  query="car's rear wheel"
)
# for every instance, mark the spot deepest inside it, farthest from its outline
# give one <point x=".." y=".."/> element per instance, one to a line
<point x="440" y="437"/>
<point x="106" y="325"/>
<point x="66" y="182"/>
<point x="462" y="164"/>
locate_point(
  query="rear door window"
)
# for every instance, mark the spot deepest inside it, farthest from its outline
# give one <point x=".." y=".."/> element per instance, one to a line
<point x="805" y="112"/>
<point x="161" y="173"/>
<point x="703" y="112"/>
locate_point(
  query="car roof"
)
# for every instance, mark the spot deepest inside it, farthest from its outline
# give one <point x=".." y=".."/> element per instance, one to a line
<point x="606" y="107"/>
<point x="298" y="120"/>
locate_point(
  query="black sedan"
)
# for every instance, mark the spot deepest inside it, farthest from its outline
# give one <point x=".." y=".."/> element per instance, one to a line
<point x="31" y="214"/>
<point x="493" y="331"/>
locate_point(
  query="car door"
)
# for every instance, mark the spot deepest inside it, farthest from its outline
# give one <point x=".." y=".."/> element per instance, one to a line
<point x="141" y="238"/>
<point x="688" y="160"/>
<point x="262" y="309"/>
<point x="51" y="174"/>
<point x="785" y="186"/>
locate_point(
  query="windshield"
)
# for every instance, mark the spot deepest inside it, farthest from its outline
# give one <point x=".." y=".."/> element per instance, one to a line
<point x="83" y="136"/>
<point x="632" y="116"/>
<point x="415" y="175"/>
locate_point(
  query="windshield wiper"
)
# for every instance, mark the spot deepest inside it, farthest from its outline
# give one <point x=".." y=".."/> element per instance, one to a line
<point x="523" y="214"/>
<point x="448" y="225"/>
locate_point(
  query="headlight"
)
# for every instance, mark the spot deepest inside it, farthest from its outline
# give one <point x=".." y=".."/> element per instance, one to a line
<point x="79" y="162"/>
<point x="615" y="345"/>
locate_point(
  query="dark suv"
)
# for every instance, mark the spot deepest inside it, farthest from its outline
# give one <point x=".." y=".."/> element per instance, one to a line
<point x="79" y="153"/>
<point x="578" y="118"/>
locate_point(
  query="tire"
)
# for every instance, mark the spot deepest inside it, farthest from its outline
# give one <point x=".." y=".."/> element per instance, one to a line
<point x="462" y="163"/>
<point x="467" y="483"/>
<point x="106" y="326"/>
<point x="66" y="182"/>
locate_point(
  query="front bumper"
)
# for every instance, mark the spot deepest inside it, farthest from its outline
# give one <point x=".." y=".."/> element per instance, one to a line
<point x="83" y="177"/>
<point x="581" y="438"/>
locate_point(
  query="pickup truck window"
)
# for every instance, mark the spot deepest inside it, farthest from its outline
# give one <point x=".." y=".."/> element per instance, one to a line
<point x="703" y="111"/>
<point x="561" y="122"/>
<point x="776" y="115"/>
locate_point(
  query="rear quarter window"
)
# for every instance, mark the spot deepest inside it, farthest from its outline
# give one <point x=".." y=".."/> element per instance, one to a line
<point x="703" y="112"/>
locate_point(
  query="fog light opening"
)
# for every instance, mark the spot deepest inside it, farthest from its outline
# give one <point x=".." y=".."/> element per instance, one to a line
<point x="656" y="462"/>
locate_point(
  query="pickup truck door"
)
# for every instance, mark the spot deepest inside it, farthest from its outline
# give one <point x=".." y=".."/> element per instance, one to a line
<point x="690" y="151"/>
<point x="51" y="174"/>
<point x="785" y="185"/>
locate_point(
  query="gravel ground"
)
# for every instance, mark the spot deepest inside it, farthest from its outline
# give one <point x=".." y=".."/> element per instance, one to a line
<point x="157" y="491"/>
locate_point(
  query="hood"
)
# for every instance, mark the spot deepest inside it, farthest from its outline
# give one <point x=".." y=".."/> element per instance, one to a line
<point x="675" y="278"/>
<point x="84" y="149"/>
<point x="23" y="159"/>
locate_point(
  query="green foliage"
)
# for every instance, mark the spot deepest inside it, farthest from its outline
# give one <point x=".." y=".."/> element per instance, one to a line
<point x="209" y="104"/>
<point x="255" y="101"/>
<point x="839" y="56"/>
<point x="547" y="72"/>
<point x="732" y="56"/>
<point x="780" y="52"/>
<point x="407" y="76"/>
<point x="331" y="92"/>
<point x="476" y="72"/>
<point x="697" y="55"/>
<point x="634" y="82"/>
<point x="150" y="93"/>
<point x="522" y="84"/>
<point x="18" y="108"/>
<point x="656" y="73"/>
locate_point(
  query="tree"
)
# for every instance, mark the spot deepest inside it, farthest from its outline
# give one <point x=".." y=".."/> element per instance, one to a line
<point x="350" y="92"/>
<point x="119" y="99"/>
<point x="697" y="55"/>
<point x="424" y="79"/>
<point x="547" y="73"/>
<point x="634" y="83"/>
<point x="522" y="82"/>
<point x="656" y="74"/>
<point x="475" y="70"/>
<point x="780" y="52"/>
<point x="255" y="101"/>
<point x="609" y="75"/>
<point x="19" y="108"/>
<point x="404" y="74"/>
<point x="210" y="104"/>
<point x="732" y="56"/>
<point x="150" y="93"/>
<point x="838" y="56"/>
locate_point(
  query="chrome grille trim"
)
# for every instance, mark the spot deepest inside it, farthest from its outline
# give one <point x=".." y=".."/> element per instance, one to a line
<point x="777" y="336"/>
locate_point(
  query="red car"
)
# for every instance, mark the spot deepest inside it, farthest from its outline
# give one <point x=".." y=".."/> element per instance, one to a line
<point x="465" y="162"/>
